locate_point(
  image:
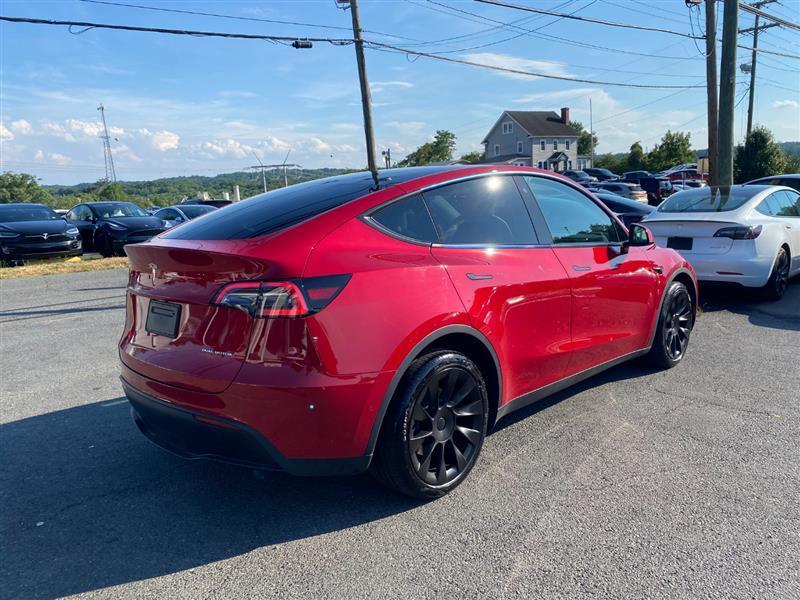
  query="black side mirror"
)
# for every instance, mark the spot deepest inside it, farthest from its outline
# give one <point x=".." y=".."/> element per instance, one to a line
<point x="639" y="235"/>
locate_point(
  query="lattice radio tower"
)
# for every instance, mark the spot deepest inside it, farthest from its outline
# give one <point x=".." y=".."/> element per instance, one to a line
<point x="111" y="174"/>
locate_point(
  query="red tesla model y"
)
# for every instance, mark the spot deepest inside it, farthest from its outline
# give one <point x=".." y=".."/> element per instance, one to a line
<point x="337" y="325"/>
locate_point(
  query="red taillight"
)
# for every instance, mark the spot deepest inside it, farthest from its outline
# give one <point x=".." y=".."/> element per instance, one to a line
<point x="265" y="299"/>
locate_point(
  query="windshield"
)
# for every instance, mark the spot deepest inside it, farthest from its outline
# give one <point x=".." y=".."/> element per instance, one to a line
<point x="117" y="210"/>
<point x="15" y="214"/>
<point x="707" y="199"/>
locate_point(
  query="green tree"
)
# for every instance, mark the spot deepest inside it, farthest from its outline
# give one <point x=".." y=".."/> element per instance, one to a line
<point x="675" y="148"/>
<point x="472" y="157"/>
<point x="22" y="187"/>
<point x="439" y="150"/>
<point x="584" y="138"/>
<point x="760" y="156"/>
<point x="635" y="158"/>
<point x="611" y="162"/>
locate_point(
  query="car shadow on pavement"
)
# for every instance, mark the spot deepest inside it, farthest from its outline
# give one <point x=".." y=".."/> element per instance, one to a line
<point x="783" y="314"/>
<point x="89" y="503"/>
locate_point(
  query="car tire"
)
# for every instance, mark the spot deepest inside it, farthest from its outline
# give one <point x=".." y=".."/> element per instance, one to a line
<point x="106" y="247"/>
<point x="779" y="277"/>
<point x="434" y="429"/>
<point x="675" y="322"/>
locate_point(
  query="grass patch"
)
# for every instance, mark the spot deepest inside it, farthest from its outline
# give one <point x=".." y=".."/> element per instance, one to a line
<point x="55" y="266"/>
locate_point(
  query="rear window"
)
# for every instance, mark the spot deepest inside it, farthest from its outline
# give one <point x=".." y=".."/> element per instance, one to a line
<point x="409" y="218"/>
<point x="278" y="209"/>
<point x="707" y="199"/>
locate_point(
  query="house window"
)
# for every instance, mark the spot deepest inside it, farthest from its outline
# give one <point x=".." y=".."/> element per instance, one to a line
<point x="566" y="144"/>
<point x="555" y="144"/>
<point x="543" y="145"/>
<point x="508" y="127"/>
<point x="519" y="147"/>
<point x="569" y="165"/>
<point x="541" y="164"/>
<point x="497" y="149"/>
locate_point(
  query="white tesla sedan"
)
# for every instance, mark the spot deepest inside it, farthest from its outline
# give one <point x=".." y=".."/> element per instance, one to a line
<point x="746" y="234"/>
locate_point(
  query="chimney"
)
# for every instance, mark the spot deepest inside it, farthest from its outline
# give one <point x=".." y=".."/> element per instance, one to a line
<point x="565" y="115"/>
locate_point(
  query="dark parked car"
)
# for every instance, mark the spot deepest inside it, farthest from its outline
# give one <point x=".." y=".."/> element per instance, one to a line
<point x="108" y="226"/>
<point x="791" y="180"/>
<point x="35" y="231"/>
<point x="175" y="215"/>
<point x="601" y="174"/>
<point x="630" y="211"/>
<point x="579" y="177"/>
<point x="658" y="189"/>
<point x="215" y="203"/>
<point x="330" y="327"/>
<point x="636" y="175"/>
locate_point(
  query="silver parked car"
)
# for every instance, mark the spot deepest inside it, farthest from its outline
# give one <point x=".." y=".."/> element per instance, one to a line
<point x="626" y="190"/>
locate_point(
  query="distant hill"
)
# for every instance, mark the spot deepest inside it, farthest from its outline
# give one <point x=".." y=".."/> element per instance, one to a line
<point x="790" y="148"/>
<point x="169" y="190"/>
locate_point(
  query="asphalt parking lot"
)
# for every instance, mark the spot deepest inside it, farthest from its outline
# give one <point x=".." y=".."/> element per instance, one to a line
<point x="634" y="484"/>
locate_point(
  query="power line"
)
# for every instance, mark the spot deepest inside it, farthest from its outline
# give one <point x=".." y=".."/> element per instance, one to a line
<point x="470" y="16"/>
<point x="765" y="15"/>
<point x="242" y="36"/>
<point x="370" y="43"/>
<point x="240" y="18"/>
<point x="588" y="19"/>
<point x="522" y="72"/>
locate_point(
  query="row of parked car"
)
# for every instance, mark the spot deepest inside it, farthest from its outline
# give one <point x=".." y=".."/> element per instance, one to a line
<point x="29" y="231"/>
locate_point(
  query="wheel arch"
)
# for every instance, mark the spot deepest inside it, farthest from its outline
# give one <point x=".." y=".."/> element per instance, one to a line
<point x="459" y="338"/>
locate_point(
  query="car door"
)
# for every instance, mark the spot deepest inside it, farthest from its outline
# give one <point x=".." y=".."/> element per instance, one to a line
<point x="788" y="212"/>
<point x="615" y="291"/>
<point x="514" y="290"/>
<point x="81" y="216"/>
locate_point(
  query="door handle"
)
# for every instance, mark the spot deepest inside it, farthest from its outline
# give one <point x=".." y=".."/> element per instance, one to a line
<point x="581" y="268"/>
<point x="477" y="277"/>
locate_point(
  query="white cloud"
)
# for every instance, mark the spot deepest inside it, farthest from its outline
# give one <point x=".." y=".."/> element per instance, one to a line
<point x="88" y="128"/>
<point x="226" y="148"/>
<point x="413" y="126"/>
<point x="164" y="140"/>
<point x="60" y="159"/>
<point x="39" y="155"/>
<point x="380" y="86"/>
<point x="507" y="61"/>
<point x="317" y="146"/>
<point x="786" y="104"/>
<point x="5" y="134"/>
<point x="21" y="127"/>
<point x="275" y="144"/>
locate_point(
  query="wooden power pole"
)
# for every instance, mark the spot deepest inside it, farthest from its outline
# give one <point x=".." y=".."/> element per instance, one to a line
<point x="711" y="88"/>
<point x="727" y="91"/>
<point x="756" y="28"/>
<point x="366" y="98"/>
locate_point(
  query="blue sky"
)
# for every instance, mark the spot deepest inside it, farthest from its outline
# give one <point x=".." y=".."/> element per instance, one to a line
<point x="187" y="105"/>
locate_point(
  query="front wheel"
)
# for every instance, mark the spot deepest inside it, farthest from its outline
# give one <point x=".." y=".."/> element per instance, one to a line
<point x="106" y="247"/>
<point x="674" y="328"/>
<point x="435" y="427"/>
<point x="779" y="278"/>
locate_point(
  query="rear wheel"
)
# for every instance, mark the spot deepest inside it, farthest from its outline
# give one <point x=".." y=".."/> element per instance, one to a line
<point x="674" y="328"/>
<point x="106" y="247"/>
<point x="435" y="427"/>
<point x="779" y="278"/>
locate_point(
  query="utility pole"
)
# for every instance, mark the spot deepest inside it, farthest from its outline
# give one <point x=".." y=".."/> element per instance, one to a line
<point x="755" y="31"/>
<point x="111" y="174"/>
<point x="591" y="134"/>
<point x="730" y="32"/>
<point x="711" y="90"/>
<point x="366" y="99"/>
<point x="387" y="157"/>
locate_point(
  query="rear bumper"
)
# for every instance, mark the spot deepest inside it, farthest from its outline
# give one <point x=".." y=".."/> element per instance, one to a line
<point x="194" y="435"/>
<point x="752" y="272"/>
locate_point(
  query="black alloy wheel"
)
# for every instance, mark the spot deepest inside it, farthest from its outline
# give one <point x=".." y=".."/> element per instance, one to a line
<point x="779" y="279"/>
<point x="675" y="323"/>
<point x="435" y="426"/>
<point x="445" y="429"/>
<point x="678" y="325"/>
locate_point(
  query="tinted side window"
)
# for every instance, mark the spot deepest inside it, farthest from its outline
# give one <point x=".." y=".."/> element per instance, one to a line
<point x="779" y="204"/>
<point x="487" y="210"/>
<point x="409" y="218"/>
<point x="570" y="216"/>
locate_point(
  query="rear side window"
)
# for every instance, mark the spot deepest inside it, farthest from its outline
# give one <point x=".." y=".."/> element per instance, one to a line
<point x="487" y="210"/>
<point x="571" y="217"/>
<point x="409" y="218"/>
<point x="780" y="204"/>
